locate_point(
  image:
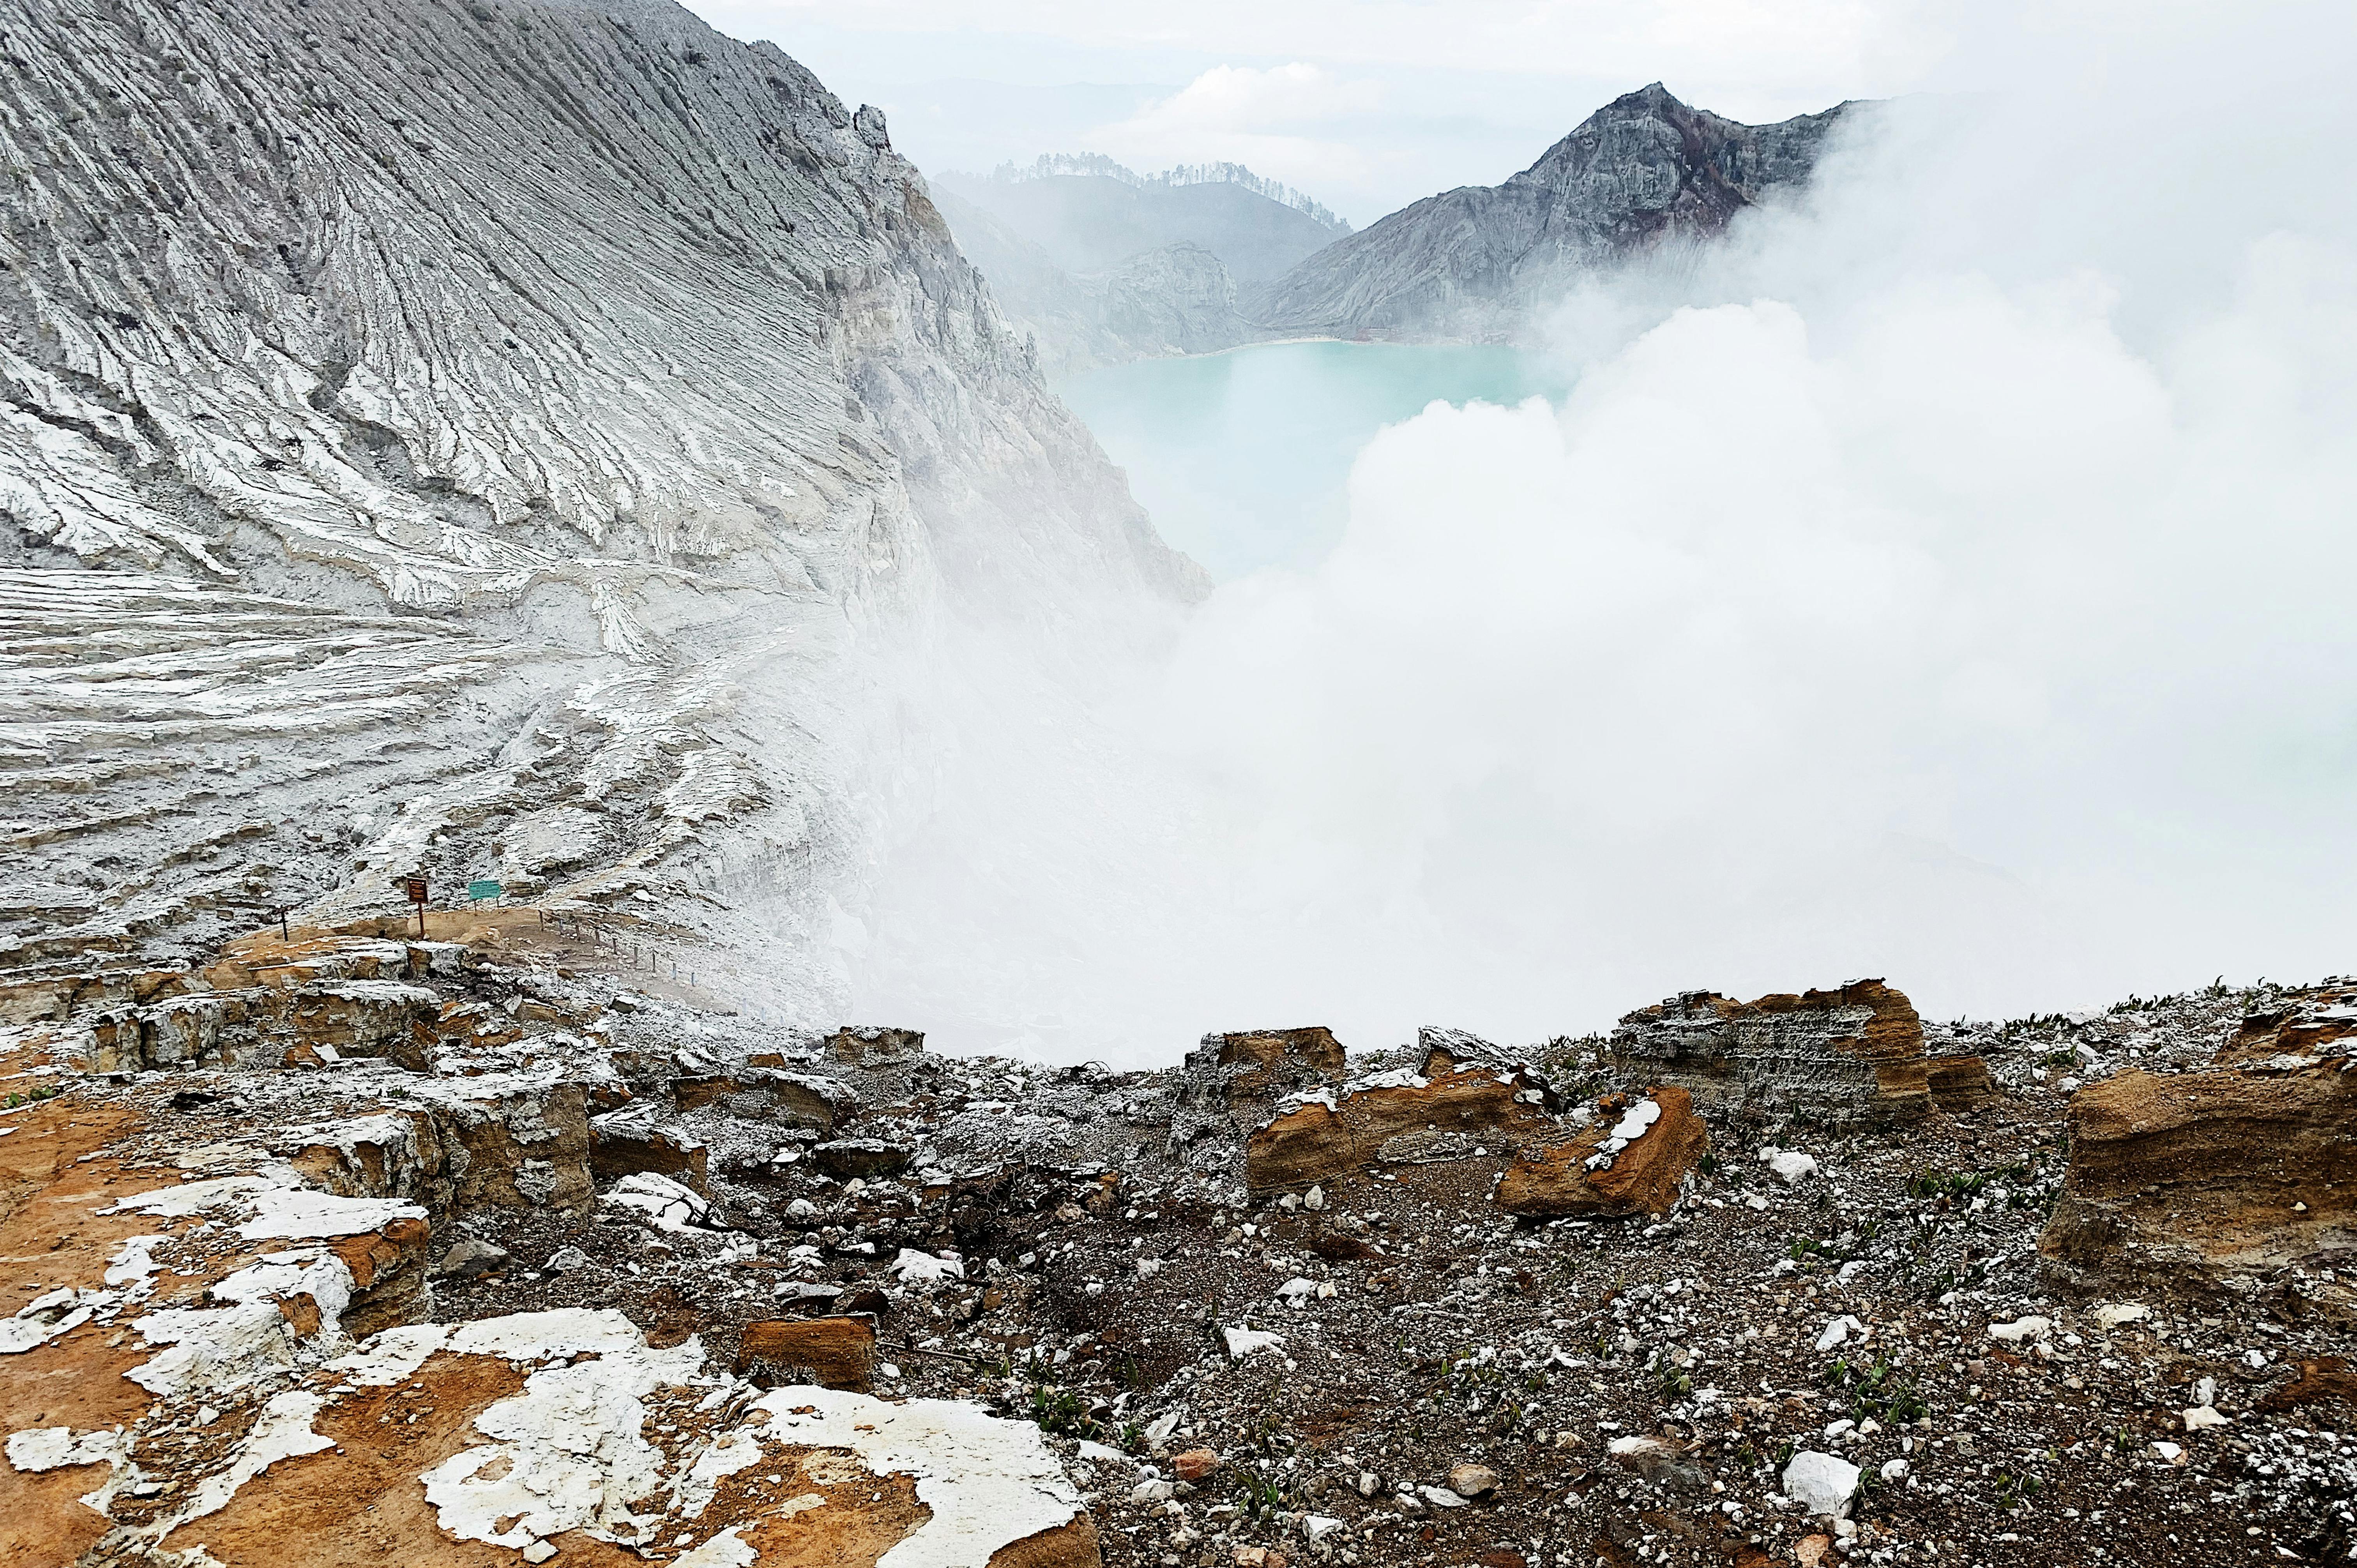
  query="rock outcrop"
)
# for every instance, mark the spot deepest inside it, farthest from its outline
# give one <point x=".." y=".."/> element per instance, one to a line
<point x="2195" y="1182"/>
<point x="1230" y="1084"/>
<point x="1632" y="1161"/>
<point x="1397" y="1116"/>
<point x="2317" y="1024"/>
<point x="1641" y="173"/>
<point x="1853" y="1056"/>
<point x="1959" y="1083"/>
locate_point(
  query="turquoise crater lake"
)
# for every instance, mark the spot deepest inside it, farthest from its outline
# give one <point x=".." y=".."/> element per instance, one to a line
<point x="1242" y="458"/>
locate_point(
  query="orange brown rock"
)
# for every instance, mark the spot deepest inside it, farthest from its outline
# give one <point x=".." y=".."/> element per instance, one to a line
<point x="1959" y="1083"/>
<point x="2321" y="1022"/>
<point x="1317" y="1142"/>
<point x="1644" y="1178"/>
<point x="2188" y="1181"/>
<point x="838" y="1352"/>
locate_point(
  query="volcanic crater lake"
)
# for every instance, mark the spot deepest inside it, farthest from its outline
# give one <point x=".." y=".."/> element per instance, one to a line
<point x="1242" y="458"/>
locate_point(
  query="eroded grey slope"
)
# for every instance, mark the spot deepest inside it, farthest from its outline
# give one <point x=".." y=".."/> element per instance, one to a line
<point x="615" y="365"/>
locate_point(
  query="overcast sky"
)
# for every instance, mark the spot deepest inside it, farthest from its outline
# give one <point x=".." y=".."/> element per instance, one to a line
<point x="1366" y="105"/>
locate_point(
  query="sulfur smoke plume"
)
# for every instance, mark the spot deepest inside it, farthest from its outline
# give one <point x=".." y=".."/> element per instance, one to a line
<point x="1950" y="579"/>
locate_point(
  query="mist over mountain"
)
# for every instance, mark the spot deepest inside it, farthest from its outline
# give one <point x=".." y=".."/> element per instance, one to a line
<point x="1089" y="221"/>
<point x="1176" y="298"/>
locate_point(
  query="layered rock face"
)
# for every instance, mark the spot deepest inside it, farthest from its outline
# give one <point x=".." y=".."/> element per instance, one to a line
<point x="1959" y="1083"/>
<point x="551" y="387"/>
<point x="1853" y="1056"/>
<point x="2190" y="1182"/>
<point x="1643" y="172"/>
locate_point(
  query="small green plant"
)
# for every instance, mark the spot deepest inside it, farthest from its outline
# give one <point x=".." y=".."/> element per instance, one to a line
<point x="1258" y="1495"/>
<point x="2013" y="1491"/>
<point x="1055" y="1410"/>
<point x="1881" y="1391"/>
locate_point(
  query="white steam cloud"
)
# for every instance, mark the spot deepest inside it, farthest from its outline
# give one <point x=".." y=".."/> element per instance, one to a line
<point x="1950" y="581"/>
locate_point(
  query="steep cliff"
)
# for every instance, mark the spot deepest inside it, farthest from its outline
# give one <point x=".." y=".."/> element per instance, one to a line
<point x="1643" y="170"/>
<point x="468" y="435"/>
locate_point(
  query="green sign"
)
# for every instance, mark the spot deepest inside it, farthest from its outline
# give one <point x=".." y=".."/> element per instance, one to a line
<point x="483" y="889"/>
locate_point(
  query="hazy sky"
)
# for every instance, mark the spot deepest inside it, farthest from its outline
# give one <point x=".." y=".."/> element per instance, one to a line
<point x="1366" y="106"/>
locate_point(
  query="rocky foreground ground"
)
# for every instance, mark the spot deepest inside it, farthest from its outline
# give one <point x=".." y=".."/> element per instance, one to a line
<point x="358" y="1247"/>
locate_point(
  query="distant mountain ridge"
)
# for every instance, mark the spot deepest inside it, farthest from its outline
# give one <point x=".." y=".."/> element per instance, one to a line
<point x="1091" y="215"/>
<point x="1050" y="164"/>
<point x="1063" y="242"/>
<point x="1643" y="170"/>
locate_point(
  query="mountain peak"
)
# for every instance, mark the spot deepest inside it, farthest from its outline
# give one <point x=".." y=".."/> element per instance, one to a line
<point x="1474" y="261"/>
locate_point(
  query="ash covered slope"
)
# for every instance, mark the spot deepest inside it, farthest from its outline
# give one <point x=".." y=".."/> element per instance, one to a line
<point x="1644" y="170"/>
<point x="617" y="358"/>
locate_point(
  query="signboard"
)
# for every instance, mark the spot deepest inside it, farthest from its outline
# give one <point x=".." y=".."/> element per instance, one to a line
<point x="483" y="889"/>
<point x="415" y="887"/>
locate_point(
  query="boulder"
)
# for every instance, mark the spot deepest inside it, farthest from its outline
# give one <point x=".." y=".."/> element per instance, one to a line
<point x="1195" y="1464"/>
<point x="1959" y="1083"/>
<point x="624" y="1142"/>
<point x="389" y="1268"/>
<point x="836" y="1352"/>
<point x="472" y="1256"/>
<point x="1472" y="1480"/>
<point x="802" y="1100"/>
<point x="1320" y="1137"/>
<point x="870" y="1045"/>
<point x="1230" y="1083"/>
<point x="511" y="1141"/>
<point x="1588" y="1178"/>
<point x="1850" y="1058"/>
<point x="2192" y="1181"/>
<point x="391" y="1154"/>
<point x="847" y="1157"/>
<point x="1822" y="1484"/>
